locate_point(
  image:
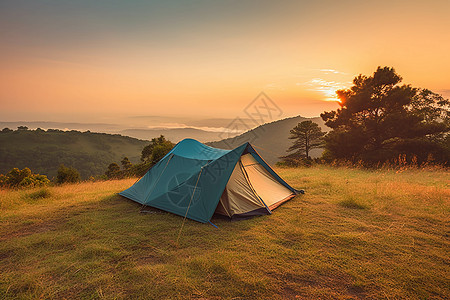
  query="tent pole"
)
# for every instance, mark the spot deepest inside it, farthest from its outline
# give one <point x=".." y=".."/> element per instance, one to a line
<point x="151" y="191"/>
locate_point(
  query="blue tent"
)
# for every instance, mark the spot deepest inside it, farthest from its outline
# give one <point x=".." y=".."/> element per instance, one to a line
<point x="196" y="181"/>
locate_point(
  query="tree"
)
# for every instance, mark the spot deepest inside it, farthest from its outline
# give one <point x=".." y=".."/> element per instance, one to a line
<point x="379" y="119"/>
<point x="307" y="136"/>
<point x="150" y="155"/>
<point x="6" y="130"/>
<point x="159" y="151"/>
<point x="156" y="150"/>
<point x="126" y="164"/>
<point x="113" y="171"/>
<point x="126" y="167"/>
<point x="432" y="109"/>
<point x="23" y="128"/>
<point x="67" y="175"/>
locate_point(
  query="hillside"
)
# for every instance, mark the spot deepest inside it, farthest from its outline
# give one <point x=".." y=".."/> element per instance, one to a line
<point x="271" y="140"/>
<point x="43" y="151"/>
<point x="355" y="234"/>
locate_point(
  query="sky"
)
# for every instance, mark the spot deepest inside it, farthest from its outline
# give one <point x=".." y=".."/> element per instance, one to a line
<point x="104" y="61"/>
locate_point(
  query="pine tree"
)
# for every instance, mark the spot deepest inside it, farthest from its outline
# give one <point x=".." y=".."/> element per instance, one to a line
<point x="307" y="136"/>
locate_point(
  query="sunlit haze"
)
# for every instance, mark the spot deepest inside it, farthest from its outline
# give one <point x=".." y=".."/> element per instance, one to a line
<point x="105" y="61"/>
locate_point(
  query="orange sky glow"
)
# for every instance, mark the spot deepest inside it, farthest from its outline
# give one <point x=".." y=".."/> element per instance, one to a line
<point x="93" y="62"/>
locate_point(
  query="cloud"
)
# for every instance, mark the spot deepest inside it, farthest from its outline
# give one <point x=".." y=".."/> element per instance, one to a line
<point x="184" y="126"/>
<point x="327" y="88"/>
<point x="331" y="71"/>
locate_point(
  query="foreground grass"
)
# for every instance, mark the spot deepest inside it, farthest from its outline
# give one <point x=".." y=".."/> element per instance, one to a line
<point x="354" y="234"/>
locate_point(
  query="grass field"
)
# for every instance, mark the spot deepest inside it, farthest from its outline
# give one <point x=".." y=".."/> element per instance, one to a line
<point x="354" y="234"/>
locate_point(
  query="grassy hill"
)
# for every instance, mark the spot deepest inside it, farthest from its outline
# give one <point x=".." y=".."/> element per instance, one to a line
<point x="271" y="140"/>
<point x="43" y="151"/>
<point x="354" y="235"/>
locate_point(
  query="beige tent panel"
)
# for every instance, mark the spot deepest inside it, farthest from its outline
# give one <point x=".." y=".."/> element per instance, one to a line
<point x="238" y="196"/>
<point x="266" y="186"/>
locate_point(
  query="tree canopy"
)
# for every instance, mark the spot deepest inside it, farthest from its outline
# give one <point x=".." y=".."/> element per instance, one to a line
<point x="379" y="119"/>
<point x="67" y="175"/>
<point x="156" y="150"/>
<point x="113" y="171"/>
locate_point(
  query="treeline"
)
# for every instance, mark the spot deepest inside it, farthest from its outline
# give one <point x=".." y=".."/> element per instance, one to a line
<point x="150" y="155"/>
<point x="43" y="151"/>
<point x="379" y="122"/>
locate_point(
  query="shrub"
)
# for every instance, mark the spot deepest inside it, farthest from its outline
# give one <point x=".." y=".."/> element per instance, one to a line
<point x="67" y="175"/>
<point x="22" y="178"/>
<point x="34" y="180"/>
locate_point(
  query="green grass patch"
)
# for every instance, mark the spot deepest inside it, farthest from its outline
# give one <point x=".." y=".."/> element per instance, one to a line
<point x="40" y="194"/>
<point x="352" y="203"/>
<point x="86" y="242"/>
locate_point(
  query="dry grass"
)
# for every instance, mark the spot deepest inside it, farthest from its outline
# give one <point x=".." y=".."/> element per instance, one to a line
<point x="84" y="241"/>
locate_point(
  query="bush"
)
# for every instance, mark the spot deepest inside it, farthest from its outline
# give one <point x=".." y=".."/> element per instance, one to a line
<point x="22" y="178"/>
<point x="67" y="175"/>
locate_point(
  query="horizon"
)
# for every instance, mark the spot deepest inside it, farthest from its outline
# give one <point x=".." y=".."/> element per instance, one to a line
<point x="109" y="61"/>
<point x="211" y="131"/>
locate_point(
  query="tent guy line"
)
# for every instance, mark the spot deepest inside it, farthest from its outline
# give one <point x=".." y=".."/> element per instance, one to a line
<point x="190" y="202"/>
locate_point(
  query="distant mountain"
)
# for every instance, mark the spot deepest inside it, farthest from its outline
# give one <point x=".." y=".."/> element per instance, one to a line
<point x="43" y="151"/>
<point x="271" y="140"/>
<point x="173" y="134"/>
<point x="94" y="127"/>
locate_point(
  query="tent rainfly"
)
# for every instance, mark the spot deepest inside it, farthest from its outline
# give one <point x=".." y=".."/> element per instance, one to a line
<point x="195" y="181"/>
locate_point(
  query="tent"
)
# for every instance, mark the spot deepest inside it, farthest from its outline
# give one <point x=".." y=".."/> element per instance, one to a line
<point x="195" y="181"/>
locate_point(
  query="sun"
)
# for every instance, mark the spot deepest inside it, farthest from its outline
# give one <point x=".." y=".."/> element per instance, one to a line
<point x="330" y="94"/>
<point x="327" y="88"/>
